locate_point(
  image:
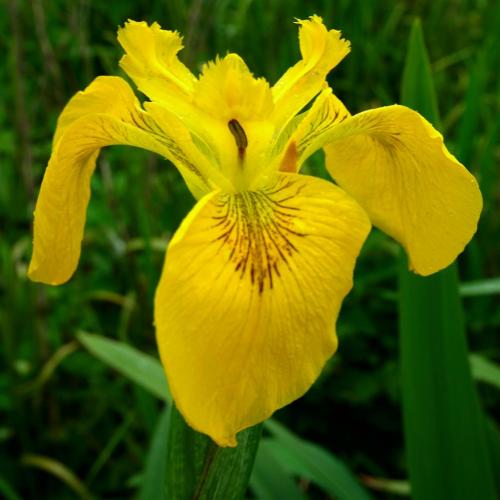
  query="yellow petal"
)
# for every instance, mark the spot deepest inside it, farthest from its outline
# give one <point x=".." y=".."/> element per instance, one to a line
<point x="309" y="136"/>
<point x="228" y="90"/>
<point x="113" y="116"/>
<point x="230" y="96"/>
<point x="246" y="306"/>
<point x="321" y="50"/>
<point x="95" y="99"/>
<point x="395" y="164"/>
<point x="151" y="61"/>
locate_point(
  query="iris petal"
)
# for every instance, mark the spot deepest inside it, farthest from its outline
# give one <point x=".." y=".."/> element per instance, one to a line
<point x="246" y="306"/>
<point x="106" y="113"/>
<point x="151" y="61"/>
<point x="395" y="164"/>
<point x="321" y="51"/>
<point x="309" y="136"/>
<point x="228" y="90"/>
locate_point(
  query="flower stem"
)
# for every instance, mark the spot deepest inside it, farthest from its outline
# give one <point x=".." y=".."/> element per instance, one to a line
<point x="198" y="469"/>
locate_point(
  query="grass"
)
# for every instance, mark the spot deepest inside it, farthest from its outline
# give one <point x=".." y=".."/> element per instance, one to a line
<point x="59" y="402"/>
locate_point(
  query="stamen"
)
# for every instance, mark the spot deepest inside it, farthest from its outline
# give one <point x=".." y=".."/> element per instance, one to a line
<point x="239" y="136"/>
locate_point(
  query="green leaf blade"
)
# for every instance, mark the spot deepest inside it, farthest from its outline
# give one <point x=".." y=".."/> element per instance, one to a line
<point x="417" y="86"/>
<point x="480" y="288"/>
<point x="270" y="480"/>
<point x="133" y="364"/>
<point x="314" y="463"/>
<point x="485" y="370"/>
<point x="445" y="441"/>
<point x="154" y="477"/>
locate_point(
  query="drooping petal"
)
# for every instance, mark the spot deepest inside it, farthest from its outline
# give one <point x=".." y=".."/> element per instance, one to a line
<point x="321" y="50"/>
<point x="395" y="164"/>
<point x="246" y="306"/>
<point x="113" y="116"/>
<point x="151" y="61"/>
<point x="95" y="99"/>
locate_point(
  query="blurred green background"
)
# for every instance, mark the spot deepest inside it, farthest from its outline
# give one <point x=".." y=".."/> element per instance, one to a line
<point x="57" y="400"/>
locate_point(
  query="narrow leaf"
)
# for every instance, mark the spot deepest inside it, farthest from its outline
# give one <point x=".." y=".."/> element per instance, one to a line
<point x="393" y="486"/>
<point x="49" y="367"/>
<point x="480" y="287"/>
<point x="7" y="491"/>
<point x="154" y="477"/>
<point x="445" y="441"/>
<point x="312" y="462"/>
<point x="485" y="370"/>
<point x="269" y="479"/>
<point x="59" y="470"/>
<point x="107" y="451"/>
<point x="141" y="368"/>
<point x="417" y="87"/>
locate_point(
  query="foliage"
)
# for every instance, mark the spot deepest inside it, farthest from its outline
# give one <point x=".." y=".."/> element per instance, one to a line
<point x="70" y="425"/>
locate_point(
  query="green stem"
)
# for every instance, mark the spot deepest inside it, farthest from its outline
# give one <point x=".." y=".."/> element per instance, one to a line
<point x="209" y="460"/>
<point x="198" y="469"/>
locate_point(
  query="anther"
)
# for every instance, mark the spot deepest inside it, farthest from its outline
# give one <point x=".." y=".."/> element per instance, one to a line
<point x="239" y="136"/>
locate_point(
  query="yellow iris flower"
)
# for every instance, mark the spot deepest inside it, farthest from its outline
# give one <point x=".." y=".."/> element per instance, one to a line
<point x="254" y="278"/>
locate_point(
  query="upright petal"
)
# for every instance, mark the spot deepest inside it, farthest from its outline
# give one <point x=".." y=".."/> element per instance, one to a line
<point x="113" y="116"/>
<point x="310" y="134"/>
<point x="246" y="306"/>
<point x="227" y="89"/>
<point x="321" y="50"/>
<point x="395" y="164"/>
<point x="226" y="93"/>
<point x="151" y="61"/>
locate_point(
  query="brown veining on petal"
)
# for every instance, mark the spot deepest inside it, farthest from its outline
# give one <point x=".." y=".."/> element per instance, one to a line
<point x="257" y="228"/>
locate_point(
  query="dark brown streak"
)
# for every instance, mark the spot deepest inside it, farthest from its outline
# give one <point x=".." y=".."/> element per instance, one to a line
<point x="276" y="245"/>
<point x="249" y="233"/>
<point x="258" y="232"/>
<point x="254" y="200"/>
<point x="225" y="236"/>
<point x="279" y="227"/>
<point x="280" y="188"/>
<point x="278" y="203"/>
<point x="320" y="125"/>
<point x="240" y="137"/>
<point x="152" y="128"/>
